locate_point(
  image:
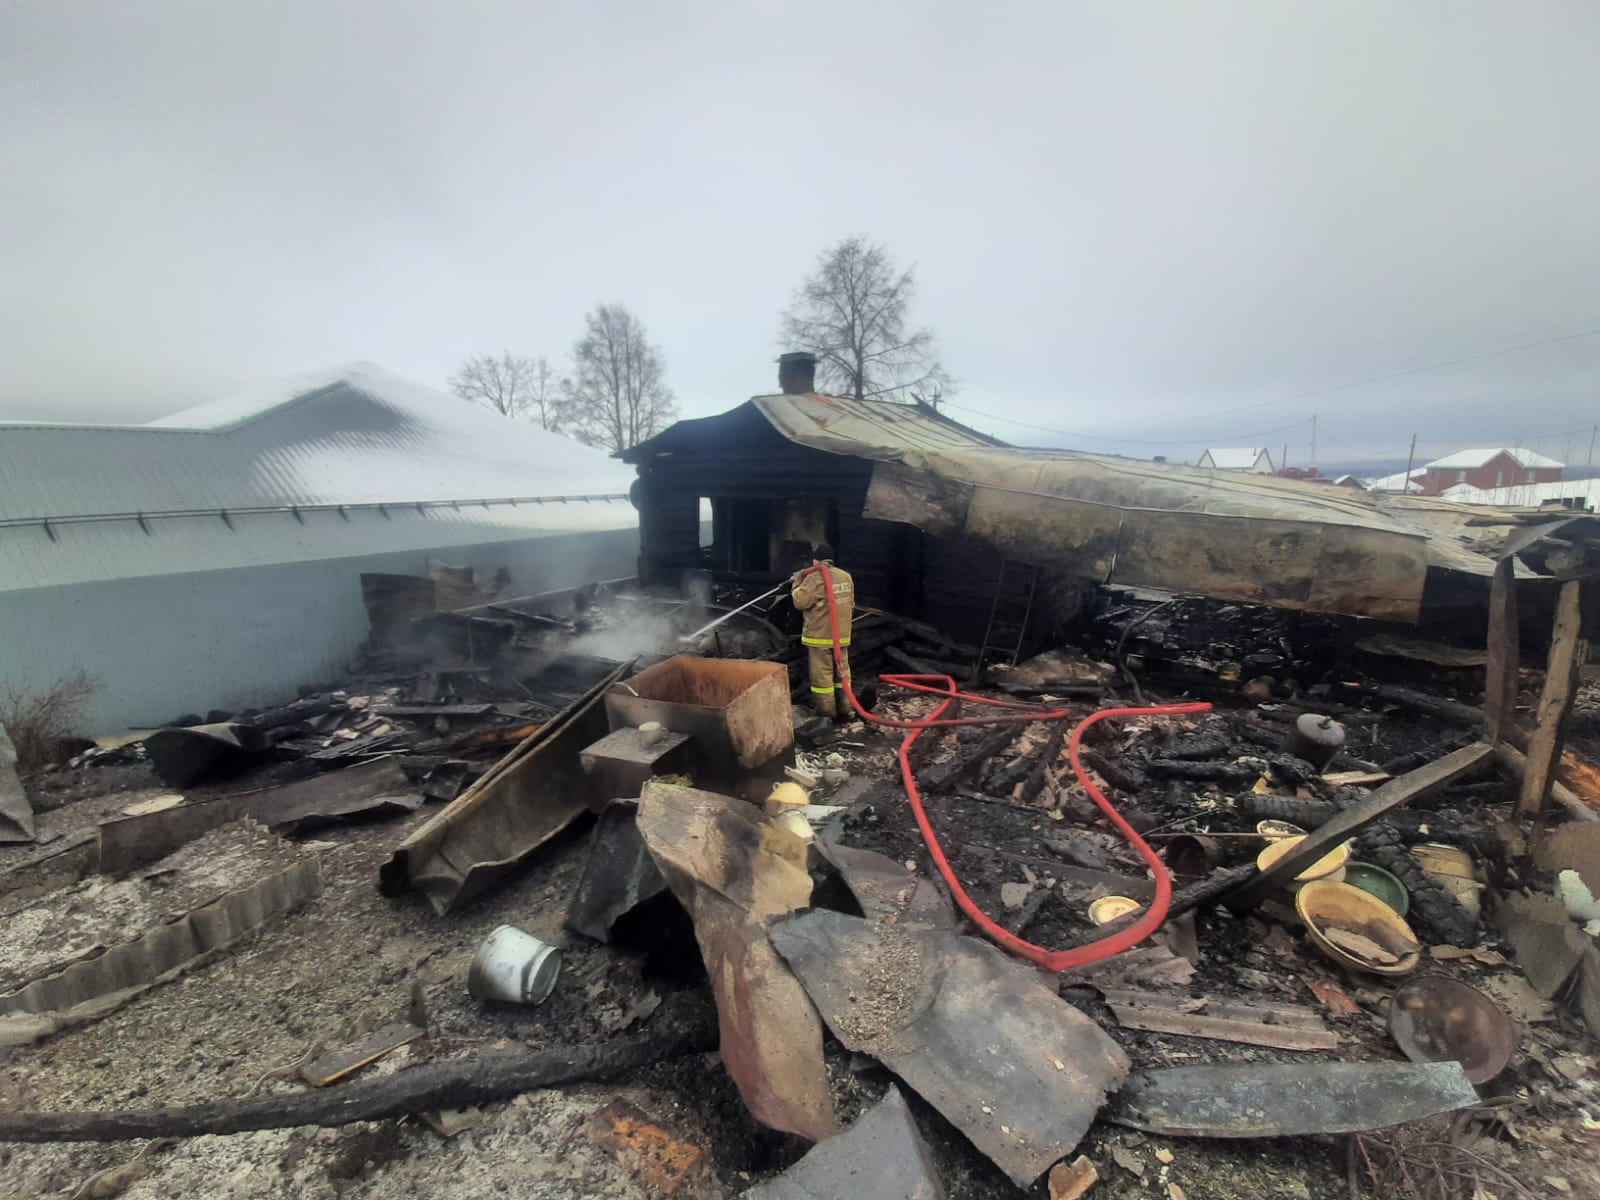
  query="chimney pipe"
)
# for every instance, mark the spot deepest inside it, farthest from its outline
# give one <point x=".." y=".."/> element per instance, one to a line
<point x="797" y="373"/>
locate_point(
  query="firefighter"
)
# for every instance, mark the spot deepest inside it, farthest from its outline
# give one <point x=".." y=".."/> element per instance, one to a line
<point x="817" y="633"/>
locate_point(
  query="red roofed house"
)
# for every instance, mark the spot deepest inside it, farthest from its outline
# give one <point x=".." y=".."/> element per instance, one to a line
<point x="1505" y="466"/>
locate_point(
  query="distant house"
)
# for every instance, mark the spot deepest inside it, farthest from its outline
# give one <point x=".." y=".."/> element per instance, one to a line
<point x="1251" y="459"/>
<point x="1487" y="469"/>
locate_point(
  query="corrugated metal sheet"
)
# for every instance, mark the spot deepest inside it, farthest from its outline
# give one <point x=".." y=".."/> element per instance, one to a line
<point x="352" y="437"/>
<point x="847" y="426"/>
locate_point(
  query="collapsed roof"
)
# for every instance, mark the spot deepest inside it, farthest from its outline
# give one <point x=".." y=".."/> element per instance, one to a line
<point x="1240" y="537"/>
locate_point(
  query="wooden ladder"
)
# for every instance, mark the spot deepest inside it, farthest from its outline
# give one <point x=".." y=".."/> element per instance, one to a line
<point x="1015" y="579"/>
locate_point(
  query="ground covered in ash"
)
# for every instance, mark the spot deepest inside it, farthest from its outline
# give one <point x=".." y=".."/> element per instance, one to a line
<point x="352" y="961"/>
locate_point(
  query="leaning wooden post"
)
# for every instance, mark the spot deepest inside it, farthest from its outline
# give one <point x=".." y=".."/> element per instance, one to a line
<point x="1567" y="652"/>
<point x="1505" y="653"/>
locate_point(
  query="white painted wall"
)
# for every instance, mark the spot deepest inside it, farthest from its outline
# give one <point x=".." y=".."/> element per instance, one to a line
<point x="164" y="645"/>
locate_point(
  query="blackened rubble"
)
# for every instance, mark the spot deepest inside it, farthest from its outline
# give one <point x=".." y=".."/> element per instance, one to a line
<point x="498" y="707"/>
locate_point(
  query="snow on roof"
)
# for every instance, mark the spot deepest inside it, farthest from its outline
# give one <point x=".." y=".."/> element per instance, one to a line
<point x="1235" y="458"/>
<point x="1394" y="483"/>
<point x="1527" y="495"/>
<point x="1467" y="460"/>
<point x="234" y="482"/>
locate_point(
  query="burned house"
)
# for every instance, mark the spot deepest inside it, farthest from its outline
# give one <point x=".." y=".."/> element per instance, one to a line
<point x="783" y="472"/>
<point x="990" y="541"/>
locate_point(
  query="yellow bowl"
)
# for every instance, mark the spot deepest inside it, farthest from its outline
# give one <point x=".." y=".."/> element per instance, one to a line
<point x="1329" y="866"/>
<point x="1108" y="908"/>
<point x="787" y="795"/>
<point x="1276" y="830"/>
<point x="1328" y="908"/>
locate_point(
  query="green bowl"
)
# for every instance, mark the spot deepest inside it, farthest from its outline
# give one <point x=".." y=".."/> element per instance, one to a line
<point x="1375" y="881"/>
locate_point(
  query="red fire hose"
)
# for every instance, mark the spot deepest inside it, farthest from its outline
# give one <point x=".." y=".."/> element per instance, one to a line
<point x="1020" y="713"/>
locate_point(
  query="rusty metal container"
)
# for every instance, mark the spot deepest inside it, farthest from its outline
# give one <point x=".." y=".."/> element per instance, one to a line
<point x="735" y="712"/>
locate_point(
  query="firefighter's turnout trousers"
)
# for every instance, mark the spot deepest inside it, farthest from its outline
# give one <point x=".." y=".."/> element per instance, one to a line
<point x="817" y="634"/>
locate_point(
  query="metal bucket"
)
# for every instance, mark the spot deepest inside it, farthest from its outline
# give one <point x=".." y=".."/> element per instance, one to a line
<point x="514" y="968"/>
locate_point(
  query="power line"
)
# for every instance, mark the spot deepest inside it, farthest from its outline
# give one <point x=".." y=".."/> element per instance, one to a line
<point x="1313" y="393"/>
<point x="1126" y="441"/>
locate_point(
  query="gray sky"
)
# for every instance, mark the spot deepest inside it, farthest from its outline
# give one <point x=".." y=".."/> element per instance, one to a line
<point x="1149" y="227"/>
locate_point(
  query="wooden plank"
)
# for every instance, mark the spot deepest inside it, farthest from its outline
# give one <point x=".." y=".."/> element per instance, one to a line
<point x="1353" y="820"/>
<point x="1250" y="1033"/>
<point x="1260" y="1012"/>
<point x="1515" y="763"/>
<point x="1505" y="656"/>
<point x="434" y="710"/>
<point x="1567" y="651"/>
<point x="336" y="1064"/>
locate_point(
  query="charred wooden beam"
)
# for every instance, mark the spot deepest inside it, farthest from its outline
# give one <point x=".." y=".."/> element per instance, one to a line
<point x="1047" y="757"/>
<point x="458" y="1083"/>
<point x="1201" y="747"/>
<point x="1515" y="763"/>
<point x="1113" y="773"/>
<point x="1178" y="768"/>
<point x="966" y="762"/>
<point x="1452" y="711"/>
<point x="1505" y="655"/>
<point x="927" y="666"/>
<point x="1568" y="650"/>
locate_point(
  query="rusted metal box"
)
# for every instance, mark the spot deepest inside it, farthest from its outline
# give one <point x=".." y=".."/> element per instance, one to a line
<point x="737" y="712"/>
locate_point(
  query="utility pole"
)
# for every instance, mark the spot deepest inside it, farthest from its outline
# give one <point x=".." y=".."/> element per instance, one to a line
<point x="1411" y="457"/>
<point x="1313" y="439"/>
<point x="1592" y="433"/>
<point x="1283" y="458"/>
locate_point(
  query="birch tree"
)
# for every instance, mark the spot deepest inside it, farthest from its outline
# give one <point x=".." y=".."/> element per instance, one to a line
<point x="852" y="314"/>
<point x="617" y="396"/>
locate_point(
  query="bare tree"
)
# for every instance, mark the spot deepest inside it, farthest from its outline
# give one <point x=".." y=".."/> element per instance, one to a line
<point x="851" y="313"/>
<point x="504" y="384"/>
<point x="545" y="403"/>
<point x="617" y="396"/>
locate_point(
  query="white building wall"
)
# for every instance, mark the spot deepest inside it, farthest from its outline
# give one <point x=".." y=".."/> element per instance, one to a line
<point x="164" y="645"/>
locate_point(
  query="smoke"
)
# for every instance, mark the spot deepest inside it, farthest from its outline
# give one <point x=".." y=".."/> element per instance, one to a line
<point x="632" y="633"/>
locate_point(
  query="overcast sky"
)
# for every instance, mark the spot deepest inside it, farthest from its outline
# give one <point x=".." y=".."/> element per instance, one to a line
<point x="1136" y="227"/>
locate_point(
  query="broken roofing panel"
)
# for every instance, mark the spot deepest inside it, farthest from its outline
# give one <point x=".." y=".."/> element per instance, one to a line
<point x="976" y="1034"/>
<point x="1245" y="1100"/>
<point x="727" y="868"/>
<point x="1234" y="537"/>
<point x="531" y="795"/>
<point x="880" y="1157"/>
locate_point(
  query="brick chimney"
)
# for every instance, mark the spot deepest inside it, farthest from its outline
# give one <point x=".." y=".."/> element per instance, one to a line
<point x="797" y="373"/>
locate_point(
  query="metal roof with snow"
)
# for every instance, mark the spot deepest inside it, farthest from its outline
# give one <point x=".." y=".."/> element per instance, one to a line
<point x="354" y="461"/>
<point x="819" y="419"/>
<point x="1235" y="458"/>
<point x="1467" y="460"/>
